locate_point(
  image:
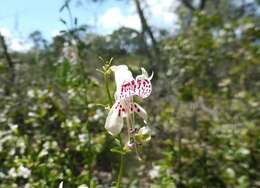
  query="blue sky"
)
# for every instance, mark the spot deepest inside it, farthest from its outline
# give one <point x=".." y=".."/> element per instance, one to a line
<point x="19" y="18"/>
<point x="22" y="17"/>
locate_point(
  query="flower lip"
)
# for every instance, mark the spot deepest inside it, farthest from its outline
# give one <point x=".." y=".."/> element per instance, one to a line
<point x="122" y="75"/>
<point x="140" y="86"/>
<point x="114" y="121"/>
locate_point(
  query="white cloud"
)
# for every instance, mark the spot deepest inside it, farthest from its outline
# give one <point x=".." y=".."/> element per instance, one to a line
<point x="160" y="14"/>
<point x="5" y="32"/>
<point x="55" y="33"/>
<point x="113" y="19"/>
<point x="15" y="43"/>
<point x="133" y="22"/>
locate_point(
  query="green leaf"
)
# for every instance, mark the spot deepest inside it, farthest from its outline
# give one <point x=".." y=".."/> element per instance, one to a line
<point x="116" y="150"/>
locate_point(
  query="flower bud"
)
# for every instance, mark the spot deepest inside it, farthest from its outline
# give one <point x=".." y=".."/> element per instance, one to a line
<point x="143" y="135"/>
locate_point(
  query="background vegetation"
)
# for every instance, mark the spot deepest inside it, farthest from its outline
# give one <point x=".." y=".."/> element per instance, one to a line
<point x="204" y="110"/>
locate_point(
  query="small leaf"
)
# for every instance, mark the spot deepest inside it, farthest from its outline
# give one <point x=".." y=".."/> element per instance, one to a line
<point x="63" y="6"/>
<point x="117" y="141"/>
<point x="63" y="21"/>
<point x="115" y="150"/>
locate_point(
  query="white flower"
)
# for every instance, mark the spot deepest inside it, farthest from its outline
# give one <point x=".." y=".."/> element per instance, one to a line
<point x="32" y="114"/>
<point x="224" y="82"/>
<point x="154" y="172"/>
<point x="27" y="185"/>
<point x="31" y="93"/>
<point x="61" y="185"/>
<point x="13" y="127"/>
<point x="12" y="172"/>
<point x="82" y="138"/>
<point x="83" y="186"/>
<point x="70" y="52"/>
<point x="23" y="172"/>
<point x="143" y="135"/>
<point x="126" y="88"/>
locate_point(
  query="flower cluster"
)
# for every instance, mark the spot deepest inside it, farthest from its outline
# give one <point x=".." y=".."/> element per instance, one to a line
<point x="124" y="107"/>
<point x="70" y="52"/>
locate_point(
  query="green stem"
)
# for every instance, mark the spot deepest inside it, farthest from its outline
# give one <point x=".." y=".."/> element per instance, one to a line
<point x="121" y="169"/>
<point x="107" y="90"/>
<point x="121" y="166"/>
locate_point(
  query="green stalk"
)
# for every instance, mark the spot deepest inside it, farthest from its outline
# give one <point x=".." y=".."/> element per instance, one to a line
<point x="107" y="89"/>
<point x="121" y="167"/>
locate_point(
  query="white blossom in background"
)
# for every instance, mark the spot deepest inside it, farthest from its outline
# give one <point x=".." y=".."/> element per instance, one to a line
<point x="12" y="173"/>
<point x="27" y="185"/>
<point x="74" y="121"/>
<point x="99" y="113"/>
<point x="71" y="93"/>
<point x="154" y="172"/>
<point x="23" y="172"/>
<point x="21" y="145"/>
<point x="13" y="127"/>
<point x="82" y="138"/>
<point x="31" y="93"/>
<point x="70" y="52"/>
<point x="32" y="114"/>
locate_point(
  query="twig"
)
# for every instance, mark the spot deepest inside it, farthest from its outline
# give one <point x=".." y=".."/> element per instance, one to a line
<point x="10" y="62"/>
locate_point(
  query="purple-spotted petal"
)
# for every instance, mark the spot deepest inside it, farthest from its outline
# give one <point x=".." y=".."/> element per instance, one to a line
<point x="141" y="112"/>
<point x="122" y="76"/>
<point x="143" y="84"/>
<point x="127" y="89"/>
<point x="141" y="87"/>
<point x="114" y="121"/>
<point x="144" y="88"/>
